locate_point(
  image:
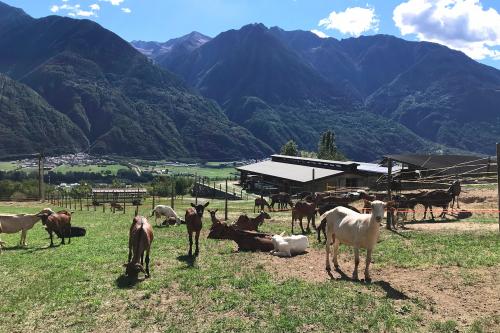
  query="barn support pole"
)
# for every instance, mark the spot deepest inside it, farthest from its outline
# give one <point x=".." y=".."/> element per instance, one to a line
<point x="498" y="182"/>
<point x="390" y="216"/>
<point x="225" y="203"/>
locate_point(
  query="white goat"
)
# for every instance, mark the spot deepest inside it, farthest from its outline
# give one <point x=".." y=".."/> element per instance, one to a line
<point x="167" y="211"/>
<point x="354" y="229"/>
<point x="11" y="224"/>
<point x="288" y="246"/>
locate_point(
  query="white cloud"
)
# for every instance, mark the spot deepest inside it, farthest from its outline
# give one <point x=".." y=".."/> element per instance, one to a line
<point x="113" y="2"/>
<point x="319" y="33"/>
<point x="54" y="9"/>
<point x="76" y="10"/>
<point x="126" y="10"/>
<point x="463" y="25"/>
<point x="95" y="7"/>
<point x="353" y="21"/>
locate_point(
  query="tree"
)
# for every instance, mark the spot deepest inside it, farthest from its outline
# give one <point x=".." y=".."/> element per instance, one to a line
<point x="327" y="149"/>
<point x="290" y="148"/>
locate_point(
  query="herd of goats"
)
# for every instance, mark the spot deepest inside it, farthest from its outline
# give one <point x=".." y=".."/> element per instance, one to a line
<point x="340" y="223"/>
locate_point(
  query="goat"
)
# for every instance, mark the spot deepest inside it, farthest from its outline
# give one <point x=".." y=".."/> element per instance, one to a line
<point x="246" y="240"/>
<point x="168" y="212"/>
<point x="357" y="230"/>
<point x="58" y="223"/>
<point x="140" y="238"/>
<point x="454" y="190"/>
<point x="194" y="215"/>
<point x="323" y="209"/>
<point x="251" y="223"/>
<point x="288" y="246"/>
<point x="304" y="209"/>
<point x="437" y="198"/>
<point x="261" y="203"/>
<point x="12" y="224"/>
<point x="283" y="199"/>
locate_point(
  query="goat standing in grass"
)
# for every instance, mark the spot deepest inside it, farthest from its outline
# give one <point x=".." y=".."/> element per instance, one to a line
<point x="194" y="215"/>
<point x="140" y="239"/>
<point x="11" y="224"/>
<point x="354" y="229"/>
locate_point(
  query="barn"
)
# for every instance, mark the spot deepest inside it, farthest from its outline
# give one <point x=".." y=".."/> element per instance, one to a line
<point x="296" y="174"/>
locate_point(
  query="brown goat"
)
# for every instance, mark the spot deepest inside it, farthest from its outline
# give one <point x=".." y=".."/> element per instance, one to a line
<point x="251" y="223"/>
<point x="261" y="203"/>
<point x="140" y="239"/>
<point x="304" y="209"/>
<point x="58" y="223"/>
<point x="246" y="240"/>
<point x="193" y="218"/>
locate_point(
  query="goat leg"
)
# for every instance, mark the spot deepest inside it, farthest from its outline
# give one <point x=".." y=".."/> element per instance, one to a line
<point x="356" y="264"/>
<point x="197" y="237"/>
<point x="190" y="253"/>
<point x="147" y="264"/>
<point x="301" y="226"/>
<point x="367" y="264"/>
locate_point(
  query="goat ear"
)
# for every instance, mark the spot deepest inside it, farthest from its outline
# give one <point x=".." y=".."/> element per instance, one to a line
<point x="215" y="211"/>
<point x="206" y="205"/>
<point x="193" y="205"/>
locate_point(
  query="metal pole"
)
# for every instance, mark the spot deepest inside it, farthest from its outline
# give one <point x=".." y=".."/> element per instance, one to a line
<point x="498" y="182"/>
<point x="172" y="194"/>
<point x="225" y="204"/>
<point x="388" y="224"/>
<point x="196" y="189"/>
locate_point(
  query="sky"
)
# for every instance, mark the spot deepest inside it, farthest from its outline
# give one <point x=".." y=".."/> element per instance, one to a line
<point x="471" y="26"/>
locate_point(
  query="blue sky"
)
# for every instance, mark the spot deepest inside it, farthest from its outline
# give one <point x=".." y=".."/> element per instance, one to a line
<point x="472" y="26"/>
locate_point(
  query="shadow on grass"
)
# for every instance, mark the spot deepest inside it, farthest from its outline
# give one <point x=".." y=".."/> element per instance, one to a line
<point x="386" y="286"/>
<point x="48" y="247"/>
<point x="188" y="260"/>
<point x="126" y="282"/>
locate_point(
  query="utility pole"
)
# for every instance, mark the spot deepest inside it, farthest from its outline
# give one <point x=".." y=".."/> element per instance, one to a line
<point x="389" y="194"/>
<point x="41" y="189"/>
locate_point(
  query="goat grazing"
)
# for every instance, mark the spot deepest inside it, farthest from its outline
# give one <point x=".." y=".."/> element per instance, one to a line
<point x="261" y="203"/>
<point x="304" y="209"/>
<point x="288" y="246"/>
<point x="139" y="242"/>
<point x="168" y="212"/>
<point x="283" y="199"/>
<point x="194" y="215"/>
<point x="246" y="240"/>
<point x="251" y="223"/>
<point x="12" y="224"/>
<point x="357" y="230"/>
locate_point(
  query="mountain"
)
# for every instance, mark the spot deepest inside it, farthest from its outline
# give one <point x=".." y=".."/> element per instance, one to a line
<point x="292" y="84"/>
<point x="185" y="43"/>
<point x="120" y="101"/>
<point x="29" y="124"/>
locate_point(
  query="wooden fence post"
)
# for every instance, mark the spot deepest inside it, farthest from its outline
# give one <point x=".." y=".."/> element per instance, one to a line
<point x="196" y="189"/>
<point x="225" y="204"/>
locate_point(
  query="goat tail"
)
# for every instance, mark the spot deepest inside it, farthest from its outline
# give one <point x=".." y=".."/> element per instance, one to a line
<point x="324" y="216"/>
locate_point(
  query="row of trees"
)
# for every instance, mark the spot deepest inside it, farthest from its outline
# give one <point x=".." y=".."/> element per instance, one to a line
<point x="327" y="148"/>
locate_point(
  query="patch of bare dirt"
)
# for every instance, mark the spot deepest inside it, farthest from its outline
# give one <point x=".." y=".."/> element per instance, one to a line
<point x="455" y="293"/>
<point x="450" y="225"/>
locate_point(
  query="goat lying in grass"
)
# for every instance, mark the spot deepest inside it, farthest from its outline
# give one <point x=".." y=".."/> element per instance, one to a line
<point x="288" y="246"/>
<point x="251" y="223"/>
<point x="168" y="212"/>
<point x="354" y="229"/>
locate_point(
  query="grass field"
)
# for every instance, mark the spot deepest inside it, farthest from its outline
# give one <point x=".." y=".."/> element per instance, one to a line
<point x="8" y="166"/>
<point x="80" y="287"/>
<point x="113" y="168"/>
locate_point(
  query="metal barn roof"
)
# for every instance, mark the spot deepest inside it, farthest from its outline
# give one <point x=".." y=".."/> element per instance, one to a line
<point x="293" y="172"/>
<point x="435" y="161"/>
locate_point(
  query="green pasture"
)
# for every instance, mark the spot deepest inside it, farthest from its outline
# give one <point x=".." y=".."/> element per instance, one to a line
<point x="81" y="288"/>
<point x="109" y="168"/>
